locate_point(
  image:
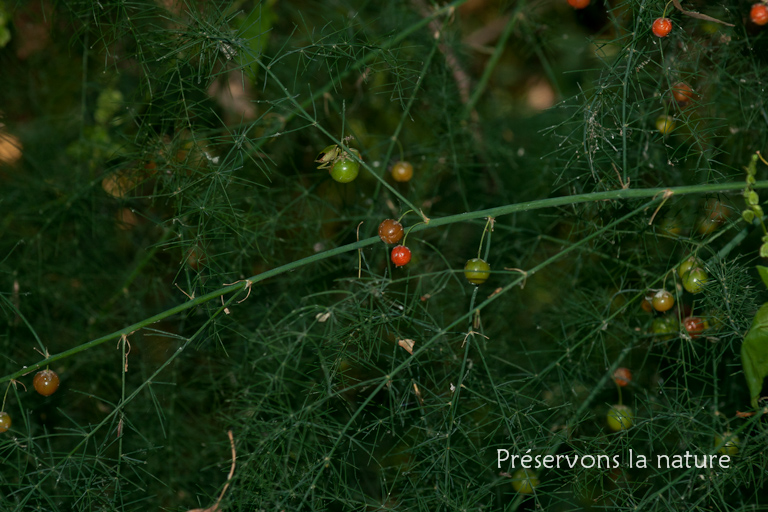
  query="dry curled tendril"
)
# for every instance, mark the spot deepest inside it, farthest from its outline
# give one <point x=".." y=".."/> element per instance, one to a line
<point x="697" y="15"/>
<point x="215" y="507"/>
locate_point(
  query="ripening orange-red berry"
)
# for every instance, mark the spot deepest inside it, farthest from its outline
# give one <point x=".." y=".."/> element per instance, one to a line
<point x="622" y="376"/>
<point x="390" y="231"/>
<point x="46" y="382"/>
<point x="682" y="93"/>
<point x="662" y="27"/>
<point x="759" y="14"/>
<point x="578" y="4"/>
<point x="401" y="255"/>
<point x="402" y="172"/>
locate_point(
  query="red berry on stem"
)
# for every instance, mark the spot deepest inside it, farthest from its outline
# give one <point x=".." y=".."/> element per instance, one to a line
<point x="46" y="382"/>
<point x="390" y="231"/>
<point x="578" y="4"/>
<point x="694" y="326"/>
<point x="622" y="376"/>
<point x="401" y="255"/>
<point x="759" y="14"/>
<point x="662" y="27"/>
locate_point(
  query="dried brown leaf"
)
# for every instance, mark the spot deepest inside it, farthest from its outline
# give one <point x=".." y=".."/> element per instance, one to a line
<point x="407" y="344"/>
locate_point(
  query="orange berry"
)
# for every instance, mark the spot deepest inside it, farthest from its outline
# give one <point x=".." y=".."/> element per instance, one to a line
<point x="682" y="93"/>
<point x="402" y="171"/>
<point x="390" y="231"/>
<point x="578" y="4"/>
<point x="662" y="27"/>
<point x="46" y="382"/>
<point x="622" y="376"/>
<point x="759" y="14"/>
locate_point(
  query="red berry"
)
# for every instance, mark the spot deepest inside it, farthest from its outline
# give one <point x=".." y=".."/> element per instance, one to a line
<point x="390" y="231"/>
<point x="401" y="255"/>
<point x="661" y="27"/>
<point x="46" y="382"/>
<point x="759" y="14"/>
<point x="694" y="326"/>
<point x="578" y="4"/>
<point x="622" y="376"/>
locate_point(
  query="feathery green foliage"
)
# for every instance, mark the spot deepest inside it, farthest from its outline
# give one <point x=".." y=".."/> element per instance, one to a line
<point x="169" y="246"/>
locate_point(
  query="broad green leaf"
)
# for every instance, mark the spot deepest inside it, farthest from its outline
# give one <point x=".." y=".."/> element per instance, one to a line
<point x="763" y="271"/>
<point x="754" y="352"/>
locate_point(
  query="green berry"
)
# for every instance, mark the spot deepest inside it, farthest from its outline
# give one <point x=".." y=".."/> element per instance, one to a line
<point x="664" y="327"/>
<point x="345" y="170"/>
<point x="619" y="418"/>
<point x="525" y="481"/>
<point x="477" y="271"/>
<point x="695" y="279"/>
<point x="688" y="264"/>
<point x="731" y="445"/>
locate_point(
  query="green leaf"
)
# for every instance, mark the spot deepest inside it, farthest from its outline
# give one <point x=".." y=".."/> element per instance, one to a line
<point x="754" y="351"/>
<point x="763" y="271"/>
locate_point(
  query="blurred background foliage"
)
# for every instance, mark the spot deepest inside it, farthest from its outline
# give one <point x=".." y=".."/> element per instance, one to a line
<point x="152" y="151"/>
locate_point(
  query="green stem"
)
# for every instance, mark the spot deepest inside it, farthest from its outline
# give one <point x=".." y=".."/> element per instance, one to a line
<point x="119" y="409"/>
<point x="428" y="344"/>
<point x="433" y="223"/>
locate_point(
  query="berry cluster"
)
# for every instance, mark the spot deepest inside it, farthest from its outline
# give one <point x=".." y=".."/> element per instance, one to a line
<point x="693" y="278"/>
<point x="476" y="270"/>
